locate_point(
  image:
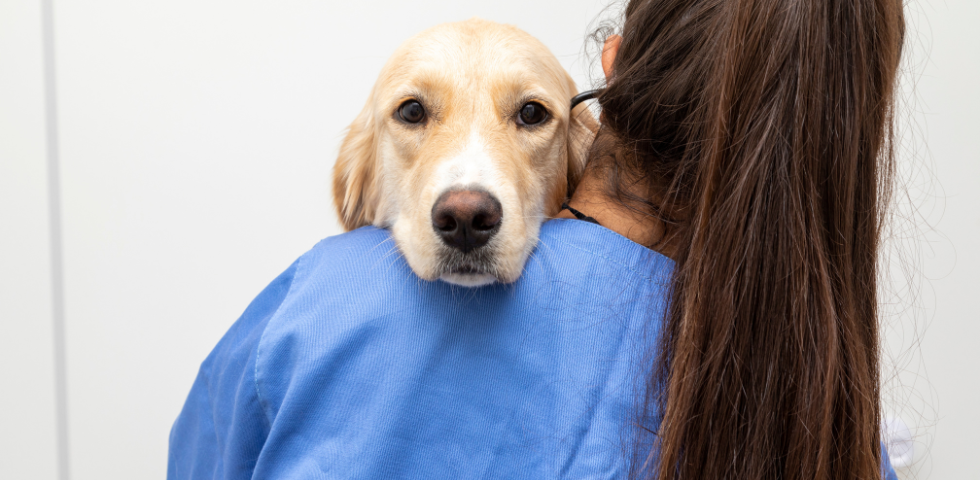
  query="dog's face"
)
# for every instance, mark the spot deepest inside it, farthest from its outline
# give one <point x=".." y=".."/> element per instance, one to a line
<point x="466" y="145"/>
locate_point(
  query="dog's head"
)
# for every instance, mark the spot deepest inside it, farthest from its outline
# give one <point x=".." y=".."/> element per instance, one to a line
<point x="465" y="146"/>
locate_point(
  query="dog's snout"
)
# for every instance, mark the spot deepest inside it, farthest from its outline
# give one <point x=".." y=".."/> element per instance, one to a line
<point x="466" y="219"/>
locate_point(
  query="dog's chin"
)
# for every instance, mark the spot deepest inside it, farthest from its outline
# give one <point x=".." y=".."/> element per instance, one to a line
<point x="468" y="279"/>
<point x="465" y="271"/>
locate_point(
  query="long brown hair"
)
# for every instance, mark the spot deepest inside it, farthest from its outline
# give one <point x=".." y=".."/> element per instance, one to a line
<point x="766" y="127"/>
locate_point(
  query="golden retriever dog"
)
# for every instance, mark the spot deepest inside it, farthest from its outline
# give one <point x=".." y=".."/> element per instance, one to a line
<point x="465" y="146"/>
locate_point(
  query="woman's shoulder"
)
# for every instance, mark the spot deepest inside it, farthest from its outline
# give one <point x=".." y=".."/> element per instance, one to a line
<point x="360" y="340"/>
<point x="357" y="287"/>
<point x="350" y="336"/>
<point x="593" y="246"/>
<point x="367" y="260"/>
<point x="358" y="250"/>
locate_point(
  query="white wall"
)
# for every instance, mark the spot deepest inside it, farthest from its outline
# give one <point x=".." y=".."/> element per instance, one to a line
<point x="932" y="340"/>
<point x="196" y="141"/>
<point x="27" y="375"/>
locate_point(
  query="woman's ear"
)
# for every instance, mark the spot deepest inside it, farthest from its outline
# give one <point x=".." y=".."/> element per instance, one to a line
<point x="609" y="51"/>
<point x="355" y="175"/>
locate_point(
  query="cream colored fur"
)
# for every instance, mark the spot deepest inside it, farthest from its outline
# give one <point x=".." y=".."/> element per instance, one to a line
<point x="472" y="77"/>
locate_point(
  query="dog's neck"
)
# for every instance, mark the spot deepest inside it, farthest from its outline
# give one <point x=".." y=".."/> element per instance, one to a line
<point x="591" y="197"/>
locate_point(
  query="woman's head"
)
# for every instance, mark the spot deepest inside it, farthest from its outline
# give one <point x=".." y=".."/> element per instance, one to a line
<point x="763" y="128"/>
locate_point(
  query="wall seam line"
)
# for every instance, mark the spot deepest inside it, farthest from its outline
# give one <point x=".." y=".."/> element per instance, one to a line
<point x="55" y="236"/>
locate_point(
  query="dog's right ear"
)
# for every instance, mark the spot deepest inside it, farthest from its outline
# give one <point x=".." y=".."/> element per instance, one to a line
<point x="355" y="174"/>
<point x="582" y="128"/>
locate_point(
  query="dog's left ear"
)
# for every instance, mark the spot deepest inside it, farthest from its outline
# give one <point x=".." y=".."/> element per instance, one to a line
<point x="582" y="128"/>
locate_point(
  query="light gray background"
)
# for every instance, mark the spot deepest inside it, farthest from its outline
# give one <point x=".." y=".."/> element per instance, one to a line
<point x="194" y="141"/>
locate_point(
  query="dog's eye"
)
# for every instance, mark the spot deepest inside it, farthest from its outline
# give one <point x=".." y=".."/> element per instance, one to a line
<point x="532" y="113"/>
<point x="411" y="111"/>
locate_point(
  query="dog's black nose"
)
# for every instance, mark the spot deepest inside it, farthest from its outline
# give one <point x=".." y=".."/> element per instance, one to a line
<point x="466" y="219"/>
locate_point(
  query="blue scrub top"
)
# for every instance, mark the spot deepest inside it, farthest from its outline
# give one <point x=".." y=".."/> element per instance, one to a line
<point x="348" y="366"/>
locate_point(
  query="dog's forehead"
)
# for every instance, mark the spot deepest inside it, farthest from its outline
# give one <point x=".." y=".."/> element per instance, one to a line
<point x="479" y="50"/>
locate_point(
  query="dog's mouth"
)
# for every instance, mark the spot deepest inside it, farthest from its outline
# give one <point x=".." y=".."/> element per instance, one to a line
<point x="467" y="270"/>
<point x="471" y="269"/>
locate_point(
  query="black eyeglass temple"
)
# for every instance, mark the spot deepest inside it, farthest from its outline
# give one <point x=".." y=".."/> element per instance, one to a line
<point x="586" y="95"/>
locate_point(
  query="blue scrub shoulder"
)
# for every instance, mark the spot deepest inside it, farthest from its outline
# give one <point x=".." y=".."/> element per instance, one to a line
<point x="349" y="366"/>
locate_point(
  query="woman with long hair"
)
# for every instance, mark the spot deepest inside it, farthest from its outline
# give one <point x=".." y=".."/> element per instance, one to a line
<point x="751" y="141"/>
<point x="719" y="322"/>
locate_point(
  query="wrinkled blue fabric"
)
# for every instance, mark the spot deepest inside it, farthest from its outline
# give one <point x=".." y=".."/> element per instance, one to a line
<point x="348" y="366"/>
